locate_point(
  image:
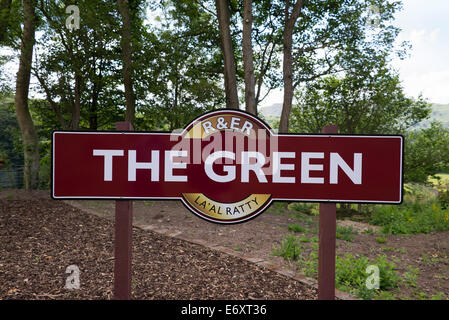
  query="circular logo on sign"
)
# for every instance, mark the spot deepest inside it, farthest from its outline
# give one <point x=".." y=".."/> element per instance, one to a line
<point x="226" y="143"/>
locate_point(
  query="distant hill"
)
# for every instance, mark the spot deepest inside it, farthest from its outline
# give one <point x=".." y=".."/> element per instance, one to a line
<point x="440" y="112"/>
<point x="271" y="111"/>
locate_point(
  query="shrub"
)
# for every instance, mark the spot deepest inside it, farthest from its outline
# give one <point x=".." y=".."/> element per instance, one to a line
<point x="350" y="275"/>
<point x="381" y="239"/>
<point x="290" y="248"/>
<point x="443" y="198"/>
<point x="411" y="218"/>
<point x="296" y="227"/>
<point x="346" y="233"/>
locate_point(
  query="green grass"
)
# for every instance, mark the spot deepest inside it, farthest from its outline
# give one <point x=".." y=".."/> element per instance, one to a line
<point x="381" y="240"/>
<point x="411" y="276"/>
<point x="296" y="227"/>
<point x="290" y="248"/>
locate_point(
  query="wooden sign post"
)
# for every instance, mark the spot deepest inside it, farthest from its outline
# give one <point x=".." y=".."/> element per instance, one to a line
<point x="123" y="239"/>
<point x="327" y="236"/>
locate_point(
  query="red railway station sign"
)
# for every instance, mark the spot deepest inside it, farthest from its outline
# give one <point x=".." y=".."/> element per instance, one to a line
<point x="227" y="166"/>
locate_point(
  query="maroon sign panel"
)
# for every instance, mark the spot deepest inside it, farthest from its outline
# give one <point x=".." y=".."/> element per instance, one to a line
<point x="227" y="166"/>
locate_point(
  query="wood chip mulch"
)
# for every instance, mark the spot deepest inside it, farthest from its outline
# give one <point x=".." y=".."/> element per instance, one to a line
<point x="39" y="239"/>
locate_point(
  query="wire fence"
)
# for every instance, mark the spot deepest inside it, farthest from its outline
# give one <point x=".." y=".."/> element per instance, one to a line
<point x="11" y="178"/>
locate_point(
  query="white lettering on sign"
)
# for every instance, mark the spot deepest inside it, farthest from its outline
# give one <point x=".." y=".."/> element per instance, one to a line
<point x="255" y="167"/>
<point x="230" y="170"/>
<point x="170" y="165"/>
<point x="153" y="165"/>
<point x="207" y="125"/>
<point x="354" y="174"/>
<point x="306" y="167"/>
<point x="250" y="161"/>
<point x="278" y="167"/>
<point x="108" y="154"/>
<point x="222" y="124"/>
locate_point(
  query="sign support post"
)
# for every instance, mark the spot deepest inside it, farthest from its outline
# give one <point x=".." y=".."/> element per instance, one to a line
<point x="327" y="236"/>
<point x="123" y="239"/>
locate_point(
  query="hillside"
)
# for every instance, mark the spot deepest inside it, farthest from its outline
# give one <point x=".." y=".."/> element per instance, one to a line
<point x="440" y="112"/>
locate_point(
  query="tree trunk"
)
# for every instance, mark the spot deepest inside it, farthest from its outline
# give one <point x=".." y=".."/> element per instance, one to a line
<point x="29" y="135"/>
<point x="76" y="107"/>
<point x="230" y="78"/>
<point x="123" y="6"/>
<point x="248" y="64"/>
<point x="289" y="24"/>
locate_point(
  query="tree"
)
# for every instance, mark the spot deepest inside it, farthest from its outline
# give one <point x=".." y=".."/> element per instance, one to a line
<point x="313" y="39"/>
<point x="368" y="101"/>
<point x="29" y="135"/>
<point x="10" y="156"/>
<point x="181" y="69"/>
<point x="79" y="71"/>
<point x="248" y="64"/>
<point x="330" y="38"/>
<point x="426" y="153"/>
<point x="290" y="19"/>
<point x="230" y="78"/>
<point x="126" y="40"/>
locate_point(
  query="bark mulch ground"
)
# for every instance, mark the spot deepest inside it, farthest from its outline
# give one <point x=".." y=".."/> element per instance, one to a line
<point x="40" y="238"/>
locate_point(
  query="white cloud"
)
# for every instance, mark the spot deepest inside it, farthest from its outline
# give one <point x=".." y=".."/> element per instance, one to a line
<point x="426" y="71"/>
<point x="432" y="85"/>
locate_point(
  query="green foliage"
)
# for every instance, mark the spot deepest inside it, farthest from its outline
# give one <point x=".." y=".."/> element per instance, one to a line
<point x="426" y="153"/>
<point x="422" y="211"/>
<point x="297" y="227"/>
<point x="361" y="102"/>
<point x="45" y="165"/>
<point x="81" y="68"/>
<point x="381" y="239"/>
<point x="290" y="248"/>
<point x="411" y="218"/>
<point x="10" y="18"/>
<point x="309" y="263"/>
<point x="443" y="199"/>
<point x="351" y="274"/>
<point x="305" y="207"/>
<point x="346" y="233"/>
<point x="411" y="276"/>
<point x="10" y="137"/>
<point x="420" y="193"/>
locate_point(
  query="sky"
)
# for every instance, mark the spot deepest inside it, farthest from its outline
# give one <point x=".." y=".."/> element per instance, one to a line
<point x="425" y="25"/>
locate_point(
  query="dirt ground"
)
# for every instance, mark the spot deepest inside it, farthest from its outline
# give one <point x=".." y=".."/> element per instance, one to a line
<point x="40" y="238"/>
<point x="256" y="238"/>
